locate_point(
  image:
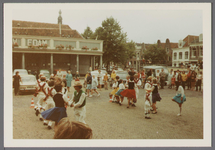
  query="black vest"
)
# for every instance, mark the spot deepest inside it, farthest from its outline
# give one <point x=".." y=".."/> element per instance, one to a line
<point x="155" y="90"/>
<point x="58" y="99"/>
<point x="130" y="85"/>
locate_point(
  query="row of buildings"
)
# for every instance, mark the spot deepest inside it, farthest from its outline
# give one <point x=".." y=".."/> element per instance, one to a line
<point x="188" y="50"/>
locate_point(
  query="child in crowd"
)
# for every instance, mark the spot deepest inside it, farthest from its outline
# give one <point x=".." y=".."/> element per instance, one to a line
<point x="59" y="111"/>
<point x="41" y="94"/>
<point x="173" y="82"/>
<point x="49" y="101"/>
<point x="155" y="95"/>
<point x="72" y="130"/>
<point x="94" y="85"/>
<point x="115" y="89"/>
<point x="121" y="88"/>
<point x="130" y="92"/>
<point x="148" y="104"/>
<point x="179" y="98"/>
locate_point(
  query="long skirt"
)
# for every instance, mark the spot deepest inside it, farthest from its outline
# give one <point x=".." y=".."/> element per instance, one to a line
<point x="118" y="92"/>
<point x="156" y="97"/>
<point x="54" y="114"/>
<point x="129" y="93"/>
<point x="178" y="100"/>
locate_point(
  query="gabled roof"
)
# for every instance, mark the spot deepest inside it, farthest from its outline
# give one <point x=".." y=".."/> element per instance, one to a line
<point x="43" y="29"/>
<point x="189" y="39"/>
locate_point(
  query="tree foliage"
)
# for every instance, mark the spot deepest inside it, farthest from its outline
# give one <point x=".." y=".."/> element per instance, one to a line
<point x="155" y="54"/>
<point x="115" y="46"/>
<point x="88" y="33"/>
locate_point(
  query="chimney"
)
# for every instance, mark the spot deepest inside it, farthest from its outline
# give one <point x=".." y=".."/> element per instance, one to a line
<point x="60" y="22"/>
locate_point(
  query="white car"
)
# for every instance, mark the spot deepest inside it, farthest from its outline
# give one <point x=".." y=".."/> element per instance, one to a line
<point x="21" y="71"/>
<point x="28" y="83"/>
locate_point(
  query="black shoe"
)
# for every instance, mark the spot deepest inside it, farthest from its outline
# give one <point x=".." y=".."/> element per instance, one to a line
<point x="148" y="117"/>
<point x="49" y="127"/>
<point x="120" y="104"/>
<point x="37" y="112"/>
<point x="45" y="124"/>
<point x="133" y="105"/>
<point x="41" y="119"/>
<point x="145" y="117"/>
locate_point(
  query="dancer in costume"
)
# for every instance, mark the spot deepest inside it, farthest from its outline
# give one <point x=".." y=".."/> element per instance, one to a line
<point x="121" y="88"/>
<point x="155" y="95"/>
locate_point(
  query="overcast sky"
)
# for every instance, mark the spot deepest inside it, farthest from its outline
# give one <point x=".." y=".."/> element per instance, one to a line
<point x="141" y="25"/>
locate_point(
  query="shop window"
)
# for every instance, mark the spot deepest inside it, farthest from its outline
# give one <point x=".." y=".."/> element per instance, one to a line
<point x="180" y="55"/>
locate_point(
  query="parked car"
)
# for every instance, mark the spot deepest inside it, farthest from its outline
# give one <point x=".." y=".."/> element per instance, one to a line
<point x="21" y="71"/>
<point x="155" y="68"/>
<point x="122" y="75"/>
<point x="28" y="83"/>
<point x="64" y="72"/>
<point x="46" y="73"/>
<point x="96" y="72"/>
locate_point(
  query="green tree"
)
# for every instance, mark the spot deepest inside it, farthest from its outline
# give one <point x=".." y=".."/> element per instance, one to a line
<point x="88" y="33"/>
<point x="115" y="46"/>
<point x="156" y="54"/>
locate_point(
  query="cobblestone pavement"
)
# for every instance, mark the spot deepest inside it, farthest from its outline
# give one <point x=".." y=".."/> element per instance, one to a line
<point x="111" y="121"/>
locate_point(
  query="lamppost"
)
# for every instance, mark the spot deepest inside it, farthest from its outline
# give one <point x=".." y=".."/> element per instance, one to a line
<point x="137" y="61"/>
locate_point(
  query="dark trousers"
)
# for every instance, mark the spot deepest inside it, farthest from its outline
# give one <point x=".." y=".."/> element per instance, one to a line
<point x="16" y="89"/>
<point x="183" y="84"/>
<point x="162" y="81"/>
<point x="198" y="84"/>
<point x="188" y="83"/>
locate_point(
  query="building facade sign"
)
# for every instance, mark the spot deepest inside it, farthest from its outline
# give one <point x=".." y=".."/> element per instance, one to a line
<point x="36" y="42"/>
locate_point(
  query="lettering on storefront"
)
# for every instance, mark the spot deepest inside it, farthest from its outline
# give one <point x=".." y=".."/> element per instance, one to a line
<point x="36" y="42"/>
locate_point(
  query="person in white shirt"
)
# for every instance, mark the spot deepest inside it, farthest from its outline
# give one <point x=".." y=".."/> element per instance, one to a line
<point x="137" y="82"/>
<point x="94" y="85"/>
<point x="59" y="74"/>
<point x="41" y="90"/>
<point x="199" y="81"/>
<point x="100" y="81"/>
<point x="79" y="102"/>
<point x="193" y="67"/>
<point x="179" y="98"/>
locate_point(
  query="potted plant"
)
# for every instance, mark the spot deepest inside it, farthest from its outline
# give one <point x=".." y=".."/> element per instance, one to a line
<point x="95" y="48"/>
<point x="85" y="48"/>
<point x="15" y="44"/>
<point x="45" y="45"/>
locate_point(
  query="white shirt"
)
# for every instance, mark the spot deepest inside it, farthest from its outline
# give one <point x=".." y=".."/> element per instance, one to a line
<point x="121" y="86"/>
<point x="94" y="82"/>
<point x="41" y="84"/>
<point x="147" y="86"/>
<point x="180" y="91"/>
<point x="53" y="92"/>
<point x="138" y="83"/>
<point x="176" y="76"/>
<point x="59" y="74"/>
<point x="192" y="67"/>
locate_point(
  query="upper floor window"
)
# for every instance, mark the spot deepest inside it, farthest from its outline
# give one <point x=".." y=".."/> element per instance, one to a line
<point x="194" y="51"/>
<point x="167" y="50"/>
<point x="180" y="55"/>
<point x="186" y="55"/>
<point x="201" y="51"/>
<point x="175" y="56"/>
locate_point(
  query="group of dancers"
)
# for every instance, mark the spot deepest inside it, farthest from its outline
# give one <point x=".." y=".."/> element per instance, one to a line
<point x="130" y="89"/>
<point x="53" y="100"/>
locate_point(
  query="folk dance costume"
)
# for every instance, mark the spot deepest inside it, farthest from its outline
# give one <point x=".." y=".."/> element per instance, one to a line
<point x="116" y="88"/>
<point x="147" y="87"/>
<point x="59" y="111"/>
<point x="130" y="92"/>
<point x="147" y="105"/>
<point x="155" y="95"/>
<point x="49" y="103"/>
<point x="179" y="95"/>
<point x="137" y="87"/>
<point x="41" y="94"/>
<point x="121" y="88"/>
<point x="64" y="91"/>
<point x="79" y="107"/>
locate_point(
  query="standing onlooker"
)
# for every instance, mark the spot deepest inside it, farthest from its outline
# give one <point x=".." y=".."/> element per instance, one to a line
<point x="89" y="84"/>
<point x="192" y="67"/>
<point x="105" y="79"/>
<point x="77" y="75"/>
<point x="199" y="81"/>
<point x="193" y="80"/>
<point x="94" y="85"/>
<point x="68" y="80"/>
<point x="99" y="77"/>
<point x="183" y="79"/>
<point x="143" y="76"/>
<point x="162" y="78"/>
<point x="16" y="82"/>
<point x="189" y="78"/>
<point x="171" y="73"/>
<point x="59" y="74"/>
<point x="173" y="81"/>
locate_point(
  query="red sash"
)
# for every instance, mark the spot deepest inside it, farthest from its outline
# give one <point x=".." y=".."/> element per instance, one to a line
<point x="49" y="94"/>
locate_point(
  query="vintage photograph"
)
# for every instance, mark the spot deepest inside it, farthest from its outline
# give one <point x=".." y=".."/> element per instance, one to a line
<point x="106" y="71"/>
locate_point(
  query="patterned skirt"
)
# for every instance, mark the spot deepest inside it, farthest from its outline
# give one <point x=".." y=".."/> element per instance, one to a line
<point x="54" y="114"/>
<point x="129" y="93"/>
<point x="156" y="97"/>
<point x="178" y="100"/>
<point x="118" y="92"/>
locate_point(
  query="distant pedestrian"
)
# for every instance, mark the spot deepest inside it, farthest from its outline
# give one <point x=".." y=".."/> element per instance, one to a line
<point x="89" y="84"/>
<point x="183" y="79"/>
<point x="162" y="75"/>
<point x="193" y="80"/>
<point x="99" y="77"/>
<point x="173" y="81"/>
<point x="189" y="79"/>
<point x="179" y="98"/>
<point x="105" y="79"/>
<point x="16" y="82"/>
<point x="94" y="85"/>
<point x="77" y="75"/>
<point x="171" y="73"/>
<point x="68" y="80"/>
<point x="199" y="81"/>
